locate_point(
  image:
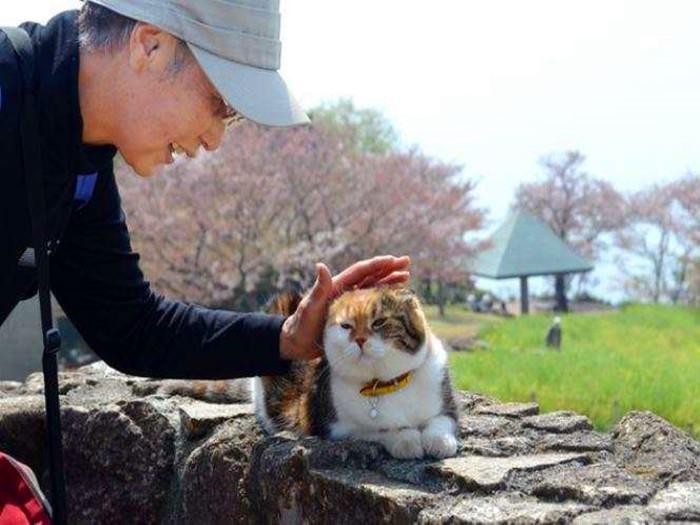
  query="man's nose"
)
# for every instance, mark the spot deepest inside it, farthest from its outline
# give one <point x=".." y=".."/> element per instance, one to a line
<point x="211" y="140"/>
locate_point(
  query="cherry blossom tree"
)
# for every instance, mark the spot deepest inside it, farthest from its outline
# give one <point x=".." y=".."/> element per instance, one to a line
<point x="686" y="280"/>
<point x="661" y="241"/>
<point x="230" y="229"/>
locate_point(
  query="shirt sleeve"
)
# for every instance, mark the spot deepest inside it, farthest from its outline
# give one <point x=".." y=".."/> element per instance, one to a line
<point x="96" y="279"/>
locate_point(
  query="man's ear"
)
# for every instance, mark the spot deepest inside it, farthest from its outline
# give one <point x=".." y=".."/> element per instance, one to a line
<point x="150" y="48"/>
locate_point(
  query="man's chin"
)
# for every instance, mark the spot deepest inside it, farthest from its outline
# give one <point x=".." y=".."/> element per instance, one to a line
<point x="143" y="168"/>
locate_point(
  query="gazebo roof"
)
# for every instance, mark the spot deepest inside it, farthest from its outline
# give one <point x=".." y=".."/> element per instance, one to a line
<point x="525" y="246"/>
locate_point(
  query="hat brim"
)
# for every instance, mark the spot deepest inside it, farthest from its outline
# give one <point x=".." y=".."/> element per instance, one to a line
<point x="260" y="95"/>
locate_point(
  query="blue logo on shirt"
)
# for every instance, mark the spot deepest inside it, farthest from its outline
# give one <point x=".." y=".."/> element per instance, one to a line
<point x="84" y="188"/>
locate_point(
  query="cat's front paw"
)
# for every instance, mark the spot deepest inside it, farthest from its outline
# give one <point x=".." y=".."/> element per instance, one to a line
<point x="439" y="444"/>
<point x="406" y="444"/>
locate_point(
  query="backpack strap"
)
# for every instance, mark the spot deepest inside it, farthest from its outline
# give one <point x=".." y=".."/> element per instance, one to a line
<point x="31" y="156"/>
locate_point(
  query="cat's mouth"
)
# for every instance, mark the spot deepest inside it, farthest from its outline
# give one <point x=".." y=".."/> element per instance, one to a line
<point x="364" y="357"/>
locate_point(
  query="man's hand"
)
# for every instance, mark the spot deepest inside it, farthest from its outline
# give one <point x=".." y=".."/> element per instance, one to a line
<point x="302" y="331"/>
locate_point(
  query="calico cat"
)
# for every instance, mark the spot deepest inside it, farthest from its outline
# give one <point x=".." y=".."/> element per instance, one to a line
<point x="383" y="377"/>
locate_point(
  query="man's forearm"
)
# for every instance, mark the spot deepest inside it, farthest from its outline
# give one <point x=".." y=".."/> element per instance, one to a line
<point x="169" y="339"/>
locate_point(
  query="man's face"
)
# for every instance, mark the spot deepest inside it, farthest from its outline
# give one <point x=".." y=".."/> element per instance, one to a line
<point x="165" y="107"/>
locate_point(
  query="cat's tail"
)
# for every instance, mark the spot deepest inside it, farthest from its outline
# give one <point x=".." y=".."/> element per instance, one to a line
<point x="284" y="303"/>
<point x="272" y="394"/>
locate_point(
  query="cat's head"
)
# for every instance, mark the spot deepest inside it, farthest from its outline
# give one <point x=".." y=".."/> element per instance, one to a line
<point x="375" y="333"/>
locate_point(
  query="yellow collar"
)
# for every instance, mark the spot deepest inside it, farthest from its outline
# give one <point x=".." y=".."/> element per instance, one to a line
<point x="379" y="388"/>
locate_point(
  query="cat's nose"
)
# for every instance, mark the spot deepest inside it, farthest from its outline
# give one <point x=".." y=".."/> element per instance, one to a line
<point x="361" y="341"/>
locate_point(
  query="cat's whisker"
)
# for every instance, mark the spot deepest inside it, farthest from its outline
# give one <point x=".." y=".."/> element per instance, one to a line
<point x="331" y="364"/>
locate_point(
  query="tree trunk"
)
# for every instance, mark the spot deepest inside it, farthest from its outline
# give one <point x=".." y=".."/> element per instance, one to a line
<point x="427" y="290"/>
<point x="441" y="298"/>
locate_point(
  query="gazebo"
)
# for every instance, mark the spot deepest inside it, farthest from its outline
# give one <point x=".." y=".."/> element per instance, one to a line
<point x="526" y="247"/>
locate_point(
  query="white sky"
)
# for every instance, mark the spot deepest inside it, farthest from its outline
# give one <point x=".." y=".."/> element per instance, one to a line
<point x="495" y="85"/>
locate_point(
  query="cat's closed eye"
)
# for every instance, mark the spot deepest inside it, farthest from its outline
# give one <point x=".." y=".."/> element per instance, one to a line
<point x="378" y="323"/>
<point x="346" y="326"/>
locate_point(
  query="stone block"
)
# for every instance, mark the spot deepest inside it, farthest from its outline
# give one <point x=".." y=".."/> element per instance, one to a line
<point x="488" y="474"/>
<point x="559" y="422"/>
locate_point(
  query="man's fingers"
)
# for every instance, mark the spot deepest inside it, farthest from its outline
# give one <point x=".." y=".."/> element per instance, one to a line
<point x="325" y="277"/>
<point x="323" y="286"/>
<point x="395" y="278"/>
<point x="374" y="279"/>
<point x="376" y="267"/>
<point x="380" y="263"/>
<point x="379" y="279"/>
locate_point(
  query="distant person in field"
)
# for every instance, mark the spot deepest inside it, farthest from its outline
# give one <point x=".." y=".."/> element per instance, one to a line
<point x="553" y="339"/>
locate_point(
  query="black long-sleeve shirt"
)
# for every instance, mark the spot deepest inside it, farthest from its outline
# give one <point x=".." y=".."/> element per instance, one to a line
<point x="94" y="272"/>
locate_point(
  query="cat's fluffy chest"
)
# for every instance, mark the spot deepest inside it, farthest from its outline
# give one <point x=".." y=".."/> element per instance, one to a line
<point x="412" y="406"/>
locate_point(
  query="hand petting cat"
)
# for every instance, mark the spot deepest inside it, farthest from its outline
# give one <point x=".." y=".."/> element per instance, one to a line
<point x="302" y="331"/>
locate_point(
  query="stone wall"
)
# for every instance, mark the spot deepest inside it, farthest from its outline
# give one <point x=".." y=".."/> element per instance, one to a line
<point x="144" y="451"/>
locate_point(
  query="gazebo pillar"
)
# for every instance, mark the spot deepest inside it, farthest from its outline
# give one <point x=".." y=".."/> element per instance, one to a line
<point x="524" y="296"/>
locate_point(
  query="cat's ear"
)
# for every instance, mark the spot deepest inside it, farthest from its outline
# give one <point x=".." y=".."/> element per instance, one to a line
<point x="407" y="298"/>
<point x="399" y="297"/>
<point x="404" y="303"/>
<point x="410" y="304"/>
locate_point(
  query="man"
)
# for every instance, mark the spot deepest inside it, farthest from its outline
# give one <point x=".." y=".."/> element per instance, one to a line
<point x="148" y="79"/>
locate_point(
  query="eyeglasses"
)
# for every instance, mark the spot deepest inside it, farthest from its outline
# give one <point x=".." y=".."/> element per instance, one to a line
<point x="227" y="114"/>
<point x="232" y="117"/>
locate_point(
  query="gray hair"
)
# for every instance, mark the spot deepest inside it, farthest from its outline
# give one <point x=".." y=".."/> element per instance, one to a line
<point x="102" y="30"/>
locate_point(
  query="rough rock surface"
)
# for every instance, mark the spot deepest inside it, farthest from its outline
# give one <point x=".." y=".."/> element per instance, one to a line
<point x="146" y="451"/>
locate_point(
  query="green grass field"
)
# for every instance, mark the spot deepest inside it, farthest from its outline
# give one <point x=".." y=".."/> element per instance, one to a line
<point x="639" y="358"/>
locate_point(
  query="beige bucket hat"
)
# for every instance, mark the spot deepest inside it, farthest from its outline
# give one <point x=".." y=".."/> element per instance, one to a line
<point x="236" y="42"/>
